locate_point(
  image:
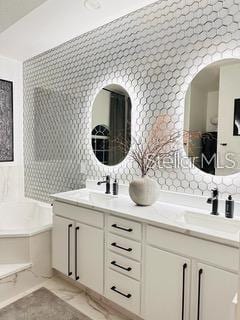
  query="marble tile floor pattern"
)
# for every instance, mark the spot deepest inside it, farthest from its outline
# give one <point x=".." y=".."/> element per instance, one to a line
<point x="76" y="298"/>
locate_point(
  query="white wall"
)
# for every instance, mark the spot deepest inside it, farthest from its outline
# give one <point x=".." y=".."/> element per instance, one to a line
<point x="212" y="110"/>
<point x="101" y="109"/>
<point x="228" y="91"/>
<point x="195" y="118"/>
<point x="11" y="174"/>
<point x="200" y="106"/>
<point x="198" y="109"/>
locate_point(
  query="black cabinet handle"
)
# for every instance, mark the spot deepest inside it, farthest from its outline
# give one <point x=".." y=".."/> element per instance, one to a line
<point x="121" y="228"/>
<point x="119" y="247"/>
<point x="183" y="290"/>
<point x="76" y="253"/>
<point x="122" y="294"/>
<point x="200" y="272"/>
<point x="69" y="248"/>
<point x="121" y="267"/>
<point x="223" y="144"/>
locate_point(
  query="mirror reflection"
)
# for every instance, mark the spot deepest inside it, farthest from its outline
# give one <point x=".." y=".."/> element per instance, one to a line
<point x="212" y="118"/>
<point x="111" y="125"/>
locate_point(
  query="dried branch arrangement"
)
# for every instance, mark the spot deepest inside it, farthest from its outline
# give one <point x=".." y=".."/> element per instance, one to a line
<point x="150" y="152"/>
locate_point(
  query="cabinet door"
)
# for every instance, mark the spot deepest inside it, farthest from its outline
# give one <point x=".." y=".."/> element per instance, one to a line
<point x="167" y="286"/>
<point x="89" y="253"/>
<point x="63" y="245"/>
<point x="213" y="293"/>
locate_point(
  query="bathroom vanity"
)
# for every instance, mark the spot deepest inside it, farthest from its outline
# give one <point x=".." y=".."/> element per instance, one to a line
<point x="159" y="262"/>
<point x="168" y="261"/>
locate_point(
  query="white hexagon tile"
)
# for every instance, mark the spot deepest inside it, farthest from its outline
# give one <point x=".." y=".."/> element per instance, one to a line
<point x="154" y="53"/>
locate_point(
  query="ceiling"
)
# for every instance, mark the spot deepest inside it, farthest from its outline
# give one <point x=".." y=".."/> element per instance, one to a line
<point x="13" y="10"/>
<point x="53" y="22"/>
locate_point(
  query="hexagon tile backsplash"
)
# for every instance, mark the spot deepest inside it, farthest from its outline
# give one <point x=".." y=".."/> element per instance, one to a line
<point x="154" y="53"/>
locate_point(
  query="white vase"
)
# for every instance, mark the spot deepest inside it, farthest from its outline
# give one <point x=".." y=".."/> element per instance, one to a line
<point x="144" y="191"/>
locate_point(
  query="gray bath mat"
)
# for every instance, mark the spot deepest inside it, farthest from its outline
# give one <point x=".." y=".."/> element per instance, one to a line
<point x="40" y="305"/>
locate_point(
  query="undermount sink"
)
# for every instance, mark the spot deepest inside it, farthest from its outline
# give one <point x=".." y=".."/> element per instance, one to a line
<point x="96" y="197"/>
<point x="210" y="222"/>
<point x="100" y="197"/>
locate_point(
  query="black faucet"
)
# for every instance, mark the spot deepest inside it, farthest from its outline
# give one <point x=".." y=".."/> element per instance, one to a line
<point x="214" y="201"/>
<point x="108" y="184"/>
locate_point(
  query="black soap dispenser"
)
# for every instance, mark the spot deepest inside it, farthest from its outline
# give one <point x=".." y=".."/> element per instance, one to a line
<point x="229" y="208"/>
<point x="115" y="187"/>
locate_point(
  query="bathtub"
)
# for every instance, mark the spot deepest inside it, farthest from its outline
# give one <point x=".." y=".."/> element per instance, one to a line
<point x="24" y="218"/>
<point x="25" y="246"/>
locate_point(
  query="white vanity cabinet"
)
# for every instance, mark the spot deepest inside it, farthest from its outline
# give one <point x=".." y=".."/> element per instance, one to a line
<point x="150" y="271"/>
<point x="167" y="285"/>
<point x="89" y="257"/>
<point x="63" y="245"/>
<point x="211" y="285"/>
<point x="78" y="244"/>
<point x="213" y="290"/>
<point x="167" y="288"/>
<point x="124" y="263"/>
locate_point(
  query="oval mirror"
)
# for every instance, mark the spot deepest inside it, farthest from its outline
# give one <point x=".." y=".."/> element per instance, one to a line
<point x="111" y="125"/>
<point x="212" y="118"/>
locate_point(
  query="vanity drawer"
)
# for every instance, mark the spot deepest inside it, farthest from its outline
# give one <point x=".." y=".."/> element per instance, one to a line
<point x="124" y="265"/>
<point x="125" y="228"/>
<point x="125" y="247"/>
<point x="123" y="291"/>
<point x="211" y="252"/>
<point x="80" y="214"/>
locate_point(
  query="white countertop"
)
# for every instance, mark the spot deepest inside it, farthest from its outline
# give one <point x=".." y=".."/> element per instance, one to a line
<point x="161" y="214"/>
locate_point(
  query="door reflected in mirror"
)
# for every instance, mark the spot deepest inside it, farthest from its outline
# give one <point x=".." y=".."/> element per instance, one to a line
<point x="212" y="118"/>
<point x="111" y="125"/>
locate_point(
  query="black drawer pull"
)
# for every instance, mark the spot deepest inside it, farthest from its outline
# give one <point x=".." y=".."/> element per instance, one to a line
<point x="122" y="294"/>
<point x="200" y="272"/>
<point x="121" y="228"/>
<point x="183" y="290"/>
<point x="223" y="144"/>
<point x="69" y="248"/>
<point x="119" y="247"/>
<point x="121" y="267"/>
<point x="76" y="253"/>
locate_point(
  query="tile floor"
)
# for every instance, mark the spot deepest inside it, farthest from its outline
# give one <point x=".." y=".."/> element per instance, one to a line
<point x="77" y="298"/>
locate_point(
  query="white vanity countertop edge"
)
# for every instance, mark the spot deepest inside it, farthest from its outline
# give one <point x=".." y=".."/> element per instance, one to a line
<point x="156" y="215"/>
